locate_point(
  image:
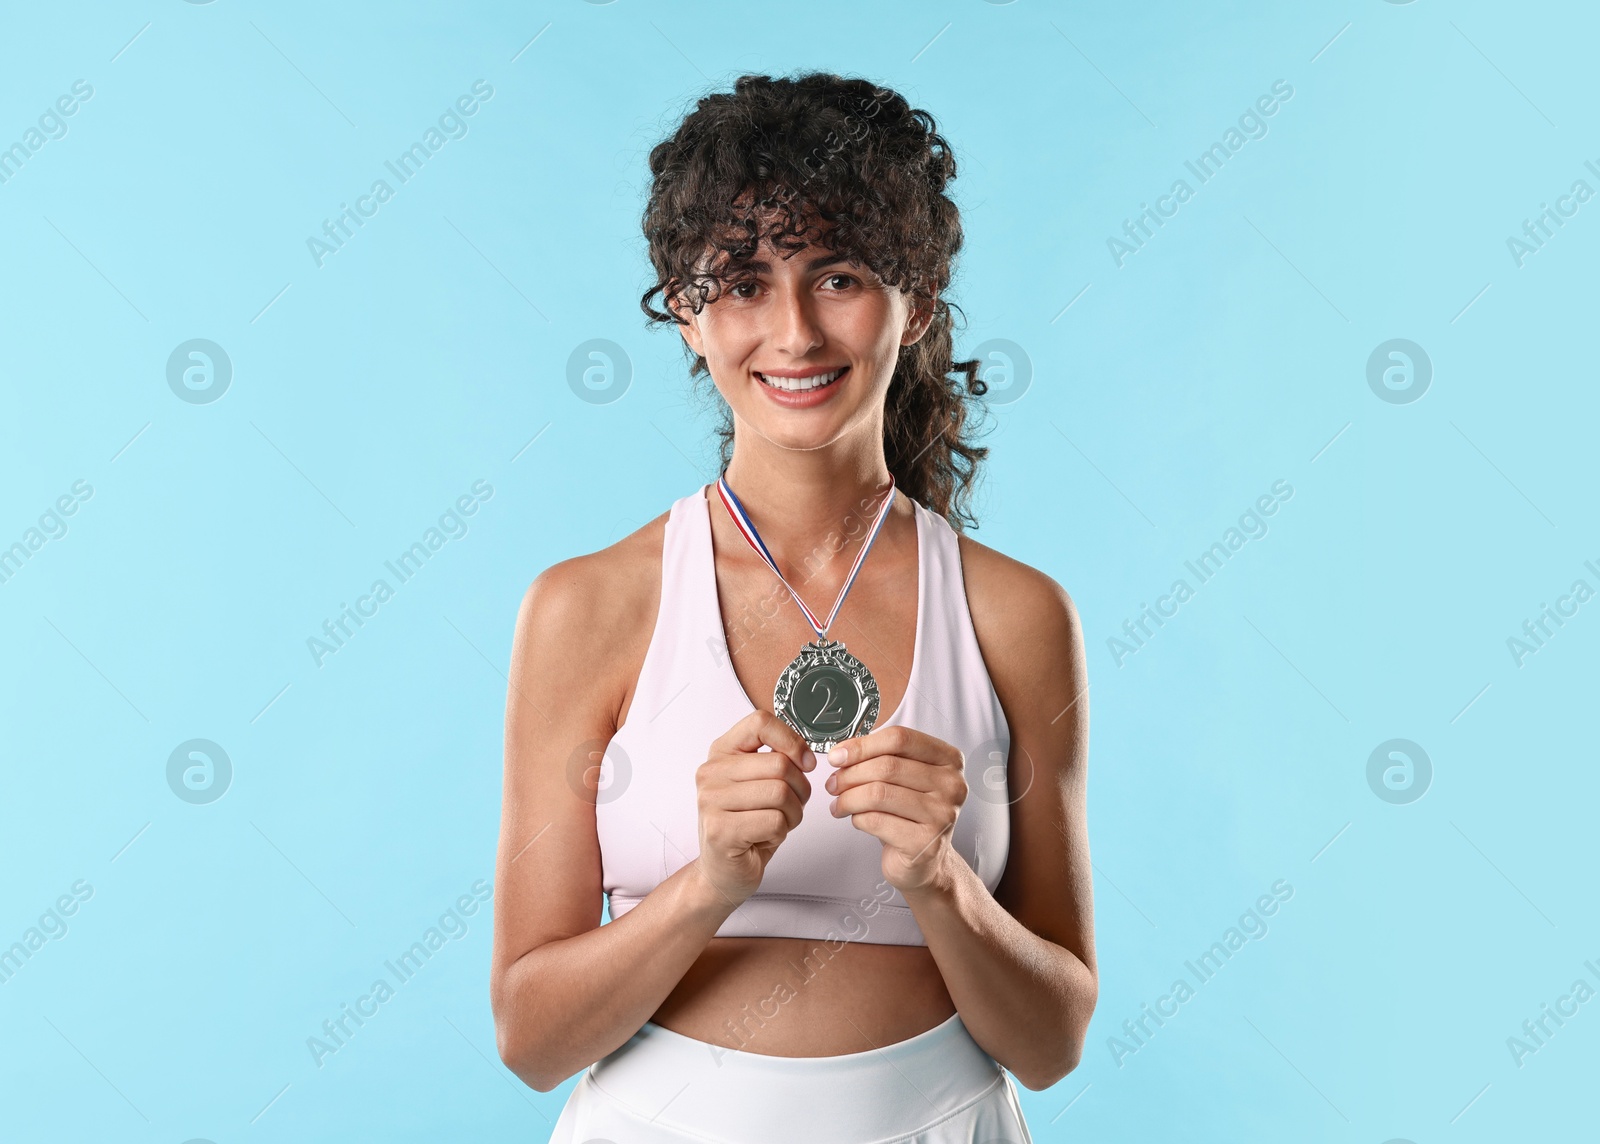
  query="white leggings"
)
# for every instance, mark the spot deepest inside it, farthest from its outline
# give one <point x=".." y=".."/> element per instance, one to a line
<point x="938" y="1087"/>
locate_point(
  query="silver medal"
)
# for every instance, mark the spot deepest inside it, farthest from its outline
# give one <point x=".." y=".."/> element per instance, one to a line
<point x="827" y="695"/>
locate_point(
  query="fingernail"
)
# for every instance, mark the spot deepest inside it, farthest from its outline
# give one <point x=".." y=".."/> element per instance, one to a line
<point x="809" y="760"/>
<point x="839" y="755"/>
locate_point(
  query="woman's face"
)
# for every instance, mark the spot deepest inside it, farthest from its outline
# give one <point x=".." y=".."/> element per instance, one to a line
<point x="774" y="341"/>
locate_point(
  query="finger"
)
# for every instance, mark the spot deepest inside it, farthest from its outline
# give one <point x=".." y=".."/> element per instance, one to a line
<point x="915" y="806"/>
<point x="904" y="741"/>
<point x="896" y="769"/>
<point x="909" y="838"/>
<point x="757" y="794"/>
<point x="766" y="825"/>
<point x="741" y="830"/>
<point x="748" y="766"/>
<point x="764" y="729"/>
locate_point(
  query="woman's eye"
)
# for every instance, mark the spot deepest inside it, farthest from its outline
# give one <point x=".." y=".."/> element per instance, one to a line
<point x="737" y="288"/>
<point x="846" y="278"/>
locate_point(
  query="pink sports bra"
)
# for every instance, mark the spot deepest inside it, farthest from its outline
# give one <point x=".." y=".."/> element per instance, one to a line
<point x="826" y="879"/>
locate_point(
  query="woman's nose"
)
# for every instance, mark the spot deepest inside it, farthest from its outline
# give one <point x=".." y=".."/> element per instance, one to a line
<point x="795" y="331"/>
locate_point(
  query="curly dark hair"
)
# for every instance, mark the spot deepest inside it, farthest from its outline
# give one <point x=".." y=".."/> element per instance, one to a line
<point x="853" y="167"/>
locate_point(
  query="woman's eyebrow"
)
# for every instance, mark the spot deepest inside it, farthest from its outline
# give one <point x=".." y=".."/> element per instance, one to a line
<point x="761" y="266"/>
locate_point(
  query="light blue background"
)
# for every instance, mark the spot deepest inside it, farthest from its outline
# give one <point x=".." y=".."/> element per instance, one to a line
<point x="369" y="393"/>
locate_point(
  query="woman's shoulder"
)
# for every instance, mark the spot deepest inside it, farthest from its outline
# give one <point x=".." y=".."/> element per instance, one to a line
<point x="1023" y="616"/>
<point x="590" y="617"/>
<point x="1012" y="595"/>
<point x="600" y="590"/>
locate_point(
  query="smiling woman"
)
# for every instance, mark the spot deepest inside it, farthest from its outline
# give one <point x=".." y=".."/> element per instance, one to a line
<point x="804" y="900"/>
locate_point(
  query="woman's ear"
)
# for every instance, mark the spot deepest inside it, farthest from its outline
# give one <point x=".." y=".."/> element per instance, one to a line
<point x="917" y="324"/>
<point x="689" y="323"/>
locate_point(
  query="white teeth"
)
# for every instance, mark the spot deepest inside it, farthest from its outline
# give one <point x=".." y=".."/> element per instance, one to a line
<point x="799" y="384"/>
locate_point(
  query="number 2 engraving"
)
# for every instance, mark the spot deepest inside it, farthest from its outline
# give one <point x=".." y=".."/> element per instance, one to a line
<point x="830" y="715"/>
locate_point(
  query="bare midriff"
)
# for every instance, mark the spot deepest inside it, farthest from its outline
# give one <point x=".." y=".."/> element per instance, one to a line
<point x="797" y="997"/>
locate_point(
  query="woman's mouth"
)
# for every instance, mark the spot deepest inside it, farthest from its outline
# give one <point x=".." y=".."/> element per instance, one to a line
<point x="798" y="385"/>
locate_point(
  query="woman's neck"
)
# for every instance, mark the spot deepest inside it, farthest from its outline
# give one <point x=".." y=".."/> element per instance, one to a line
<point x="797" y="498"/>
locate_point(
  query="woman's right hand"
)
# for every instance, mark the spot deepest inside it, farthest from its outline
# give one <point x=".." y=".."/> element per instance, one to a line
<point x="749" y="800"/>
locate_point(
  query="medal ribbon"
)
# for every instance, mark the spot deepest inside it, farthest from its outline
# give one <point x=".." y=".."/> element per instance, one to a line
<point x="748" y="531"/>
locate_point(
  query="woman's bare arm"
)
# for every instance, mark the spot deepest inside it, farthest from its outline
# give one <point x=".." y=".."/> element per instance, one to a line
<point x="1020" y="965"/>
<point x="565" y="990"/>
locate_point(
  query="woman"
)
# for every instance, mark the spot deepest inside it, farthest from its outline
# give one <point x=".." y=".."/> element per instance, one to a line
<point x="836" y="912"/>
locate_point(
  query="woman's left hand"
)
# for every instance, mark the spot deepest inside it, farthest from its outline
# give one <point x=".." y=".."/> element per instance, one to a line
<point x="904" y="788"/>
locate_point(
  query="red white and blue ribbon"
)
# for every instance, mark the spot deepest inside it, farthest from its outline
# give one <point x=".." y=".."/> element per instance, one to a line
<point x="748" y="530"/>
